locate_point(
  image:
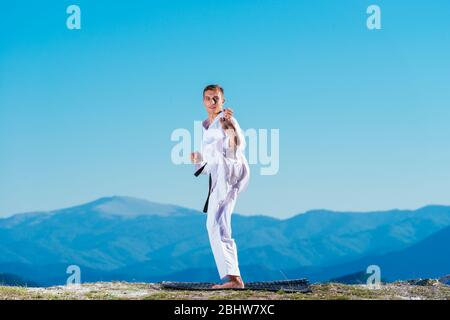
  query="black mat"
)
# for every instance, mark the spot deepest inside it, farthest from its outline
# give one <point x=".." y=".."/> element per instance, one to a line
<point x="296" y="285"/>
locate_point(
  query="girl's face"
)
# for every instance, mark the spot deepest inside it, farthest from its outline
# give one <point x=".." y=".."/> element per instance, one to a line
<point x="213" y="101"/>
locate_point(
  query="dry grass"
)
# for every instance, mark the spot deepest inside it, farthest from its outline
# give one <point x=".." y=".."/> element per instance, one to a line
<point x="153" y="291"/>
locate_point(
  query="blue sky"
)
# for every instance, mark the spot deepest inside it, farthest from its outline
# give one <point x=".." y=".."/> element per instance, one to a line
<point x="363" y="115"/>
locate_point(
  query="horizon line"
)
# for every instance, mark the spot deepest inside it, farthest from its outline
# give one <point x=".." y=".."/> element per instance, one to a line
<point x="5" y="216"/>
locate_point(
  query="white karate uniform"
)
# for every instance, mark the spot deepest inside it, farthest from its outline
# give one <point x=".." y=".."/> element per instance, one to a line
<point x="229" y="173"/>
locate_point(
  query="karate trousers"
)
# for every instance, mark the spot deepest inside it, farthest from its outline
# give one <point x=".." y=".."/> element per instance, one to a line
<point x="218" y="224"/>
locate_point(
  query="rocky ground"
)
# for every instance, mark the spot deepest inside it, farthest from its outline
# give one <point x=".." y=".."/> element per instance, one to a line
<point x="418" y="290"/>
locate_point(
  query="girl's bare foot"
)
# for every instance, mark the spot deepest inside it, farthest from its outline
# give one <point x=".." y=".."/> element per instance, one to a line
<point x="235" y="282"/>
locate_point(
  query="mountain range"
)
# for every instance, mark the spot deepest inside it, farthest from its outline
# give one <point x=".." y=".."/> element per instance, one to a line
<point x="125" y="238"/>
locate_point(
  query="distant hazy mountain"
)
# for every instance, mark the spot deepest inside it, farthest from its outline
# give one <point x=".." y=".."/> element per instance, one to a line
<point x="354" y="278"/>
<point x="429" y="258"/>
<point x="123" y="237"/>
<point x="7" y="279"/>
<point x="104" y="234"/>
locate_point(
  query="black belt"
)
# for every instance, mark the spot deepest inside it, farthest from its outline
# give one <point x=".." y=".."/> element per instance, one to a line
<point x="197" y="173"/>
